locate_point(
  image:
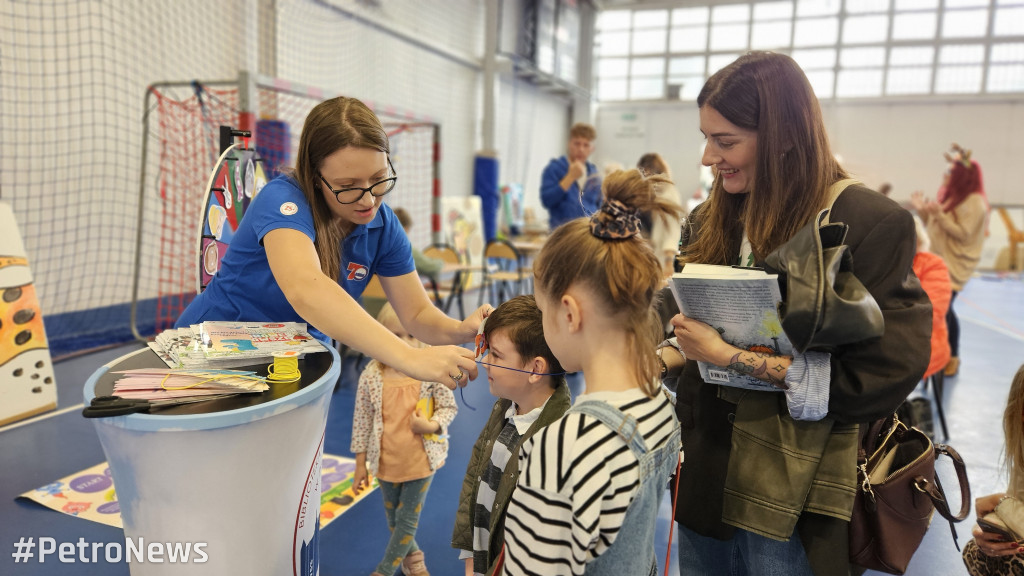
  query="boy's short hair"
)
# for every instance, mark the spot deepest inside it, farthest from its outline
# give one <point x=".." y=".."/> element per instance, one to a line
<point x="581" y="130"/>
<point x="403" y="217"/>
<point x="521" y="321"/>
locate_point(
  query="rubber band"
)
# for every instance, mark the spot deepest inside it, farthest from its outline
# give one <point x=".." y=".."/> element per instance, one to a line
<point x="285" y="369"/>
<point x="211" y="377"/>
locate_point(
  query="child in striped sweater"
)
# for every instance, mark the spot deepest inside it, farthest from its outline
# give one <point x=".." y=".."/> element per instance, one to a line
<point x="588" y="494"/>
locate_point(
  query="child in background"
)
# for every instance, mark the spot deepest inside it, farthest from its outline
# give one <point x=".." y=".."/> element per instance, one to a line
<point x="399" y="435"/>
<point x="989" y="553"/>
<point x="427" y="267"/>
<point x="591" y="482"/>
<point x="532" y="393"/>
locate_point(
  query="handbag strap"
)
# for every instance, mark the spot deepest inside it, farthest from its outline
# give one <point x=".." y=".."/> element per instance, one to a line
<point x="938" y="495"/>
<point x="833" y="193"/>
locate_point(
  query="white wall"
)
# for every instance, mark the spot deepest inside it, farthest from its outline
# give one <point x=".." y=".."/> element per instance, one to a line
<point x="532" y="128"/>
<point x="323" y="46"/>
<point x="899" y="142"/>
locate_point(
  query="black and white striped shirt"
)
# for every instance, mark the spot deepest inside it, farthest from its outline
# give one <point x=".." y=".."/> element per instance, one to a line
<point x="578" y="479"/>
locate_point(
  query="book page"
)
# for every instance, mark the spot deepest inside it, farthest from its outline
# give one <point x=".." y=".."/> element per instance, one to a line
<point x="743" y="310"/>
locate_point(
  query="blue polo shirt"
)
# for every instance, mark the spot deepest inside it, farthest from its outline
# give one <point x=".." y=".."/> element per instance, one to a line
<point x="245" y="289"/>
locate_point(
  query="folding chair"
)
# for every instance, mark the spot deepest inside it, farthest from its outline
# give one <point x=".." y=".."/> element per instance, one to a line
<point x="504" y="268"/>
<point x="450" y="257"/>
<point x="937" y="382"/>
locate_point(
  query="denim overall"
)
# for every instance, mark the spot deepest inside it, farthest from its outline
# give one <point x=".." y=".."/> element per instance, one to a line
<point x="632" y="553"/>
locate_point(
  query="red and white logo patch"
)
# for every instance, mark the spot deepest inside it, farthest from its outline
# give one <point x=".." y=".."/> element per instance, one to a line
<point x="289" y="208"/>
<point x="357" y="271"/>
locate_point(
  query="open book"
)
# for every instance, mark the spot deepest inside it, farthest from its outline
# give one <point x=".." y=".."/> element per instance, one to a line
<point x="741" y="303"/>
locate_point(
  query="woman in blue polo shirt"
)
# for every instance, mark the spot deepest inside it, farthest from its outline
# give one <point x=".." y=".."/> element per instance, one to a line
<point x="311" y="240"/>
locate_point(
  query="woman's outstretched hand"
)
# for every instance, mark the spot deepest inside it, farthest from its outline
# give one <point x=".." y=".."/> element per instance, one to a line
<point x="471" y="325"/>
<point x="452" y="366"/>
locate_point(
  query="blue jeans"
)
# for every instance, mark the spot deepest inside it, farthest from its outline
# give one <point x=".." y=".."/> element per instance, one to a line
<point x="403" y="502"/>
<point x="746" y="554"/>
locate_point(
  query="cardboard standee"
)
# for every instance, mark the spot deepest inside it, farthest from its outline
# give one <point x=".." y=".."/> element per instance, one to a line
<point x="27" y="384"/>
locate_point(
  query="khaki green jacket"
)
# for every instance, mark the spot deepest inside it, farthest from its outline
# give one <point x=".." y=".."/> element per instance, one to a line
<point x="809" y="464"/>
<point x="462" y="535"/>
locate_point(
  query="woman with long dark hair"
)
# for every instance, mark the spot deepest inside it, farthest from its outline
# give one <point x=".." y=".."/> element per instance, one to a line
<point x="768" y="482"/>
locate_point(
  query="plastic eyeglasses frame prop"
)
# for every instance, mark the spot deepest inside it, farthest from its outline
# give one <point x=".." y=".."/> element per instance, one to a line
<point x="389" y="184"/>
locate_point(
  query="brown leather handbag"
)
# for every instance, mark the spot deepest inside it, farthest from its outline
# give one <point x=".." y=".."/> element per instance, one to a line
<point x="897" y="494"/>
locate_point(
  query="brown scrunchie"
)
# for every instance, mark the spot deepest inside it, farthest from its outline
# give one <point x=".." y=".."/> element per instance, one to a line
<point x="620" y="222"/>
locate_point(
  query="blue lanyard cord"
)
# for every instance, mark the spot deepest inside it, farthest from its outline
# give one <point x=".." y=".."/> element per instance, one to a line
<point x="523" y="371"/>
<point x="462" y="390"/>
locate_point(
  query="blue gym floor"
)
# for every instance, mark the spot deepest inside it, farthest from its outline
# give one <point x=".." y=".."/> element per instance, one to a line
<point x="38" y="451"/>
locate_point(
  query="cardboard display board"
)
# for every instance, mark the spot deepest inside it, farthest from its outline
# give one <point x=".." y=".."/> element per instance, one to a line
<point x="26" y="371"/>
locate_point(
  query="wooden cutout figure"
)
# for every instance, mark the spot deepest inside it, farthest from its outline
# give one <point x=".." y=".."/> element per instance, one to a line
<point x="26" y="371"/>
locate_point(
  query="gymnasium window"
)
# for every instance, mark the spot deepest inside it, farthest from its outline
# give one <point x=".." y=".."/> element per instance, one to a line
<point x="847" y="48"/>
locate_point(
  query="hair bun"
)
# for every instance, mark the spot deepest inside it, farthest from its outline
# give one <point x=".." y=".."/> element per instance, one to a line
<point x="615" y="221"/>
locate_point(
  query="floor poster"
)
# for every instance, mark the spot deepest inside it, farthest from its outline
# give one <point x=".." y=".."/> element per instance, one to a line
<point x="90" y="493"/>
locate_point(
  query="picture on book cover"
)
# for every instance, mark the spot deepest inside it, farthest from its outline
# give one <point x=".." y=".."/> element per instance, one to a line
<point x="742" y="305"/>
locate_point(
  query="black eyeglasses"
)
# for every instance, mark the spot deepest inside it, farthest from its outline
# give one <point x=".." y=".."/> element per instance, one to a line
<point x="354" y="194"/>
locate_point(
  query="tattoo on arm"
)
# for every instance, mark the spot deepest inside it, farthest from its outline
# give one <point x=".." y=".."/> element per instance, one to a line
<point x="735" y="363"/>
<point x="767" y="367"/>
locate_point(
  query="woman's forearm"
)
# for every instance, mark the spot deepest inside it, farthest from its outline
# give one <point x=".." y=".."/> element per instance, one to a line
<point x="768" y="367"/>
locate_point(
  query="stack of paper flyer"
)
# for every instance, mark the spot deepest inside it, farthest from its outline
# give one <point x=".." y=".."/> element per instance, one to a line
<point x="742" y="304"/>
<point x="166" y="384"/>
<point x="230" y="344"/>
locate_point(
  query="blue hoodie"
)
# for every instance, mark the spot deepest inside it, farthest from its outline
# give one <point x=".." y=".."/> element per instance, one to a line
<point x="566" y="205"/>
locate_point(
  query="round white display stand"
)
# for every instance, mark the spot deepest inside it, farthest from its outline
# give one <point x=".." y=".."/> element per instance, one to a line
<point x="243" y="485"/>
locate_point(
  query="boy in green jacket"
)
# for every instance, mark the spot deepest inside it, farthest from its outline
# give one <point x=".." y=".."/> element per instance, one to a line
<point x="532" y="393"/>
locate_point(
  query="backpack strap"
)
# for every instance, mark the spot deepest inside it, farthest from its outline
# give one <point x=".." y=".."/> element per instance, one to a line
<point x="833" y="193"/>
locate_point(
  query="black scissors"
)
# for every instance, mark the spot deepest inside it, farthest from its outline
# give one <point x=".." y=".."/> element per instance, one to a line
<point x="103" y="406"/>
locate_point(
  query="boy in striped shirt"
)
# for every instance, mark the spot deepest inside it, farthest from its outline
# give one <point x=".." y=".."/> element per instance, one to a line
<point x="532" y="393"/>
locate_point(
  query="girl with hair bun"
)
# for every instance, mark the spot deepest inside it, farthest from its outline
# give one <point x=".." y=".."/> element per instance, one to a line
<point x="590" y="485"/>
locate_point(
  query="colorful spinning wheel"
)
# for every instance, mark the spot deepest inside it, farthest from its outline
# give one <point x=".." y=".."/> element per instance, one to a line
<point x="235" y="181"/>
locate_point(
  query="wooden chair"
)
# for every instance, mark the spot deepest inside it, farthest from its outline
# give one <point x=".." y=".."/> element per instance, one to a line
<point x="1013" y="236"/>
<point x="504" y="268"/>
<point x="445" y="297"/>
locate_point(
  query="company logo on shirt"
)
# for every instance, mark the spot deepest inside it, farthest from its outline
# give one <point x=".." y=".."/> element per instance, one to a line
<point x="357" y="271"/>
<point x="289" y="208"/>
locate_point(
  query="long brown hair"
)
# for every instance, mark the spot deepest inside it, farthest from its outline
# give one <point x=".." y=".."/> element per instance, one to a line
<point x="624" y="273"/>
<point x="1013" y="430"/>
<point x="330" y="126"/>
<point x="769" y="94"/>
